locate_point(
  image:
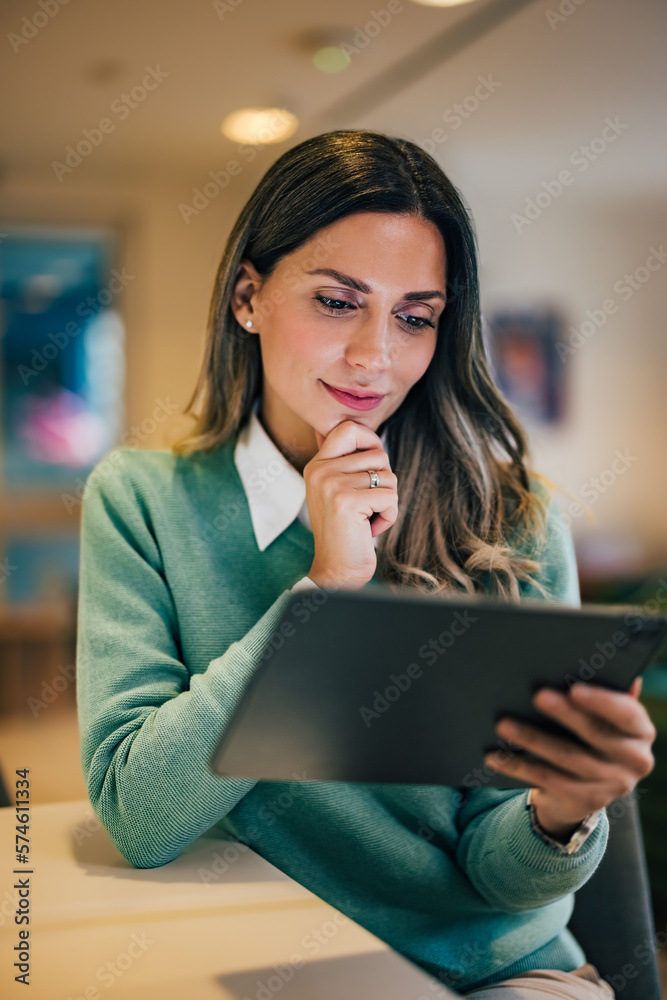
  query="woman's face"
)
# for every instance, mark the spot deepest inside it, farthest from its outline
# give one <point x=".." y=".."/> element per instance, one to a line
<point x="370" y="328"/>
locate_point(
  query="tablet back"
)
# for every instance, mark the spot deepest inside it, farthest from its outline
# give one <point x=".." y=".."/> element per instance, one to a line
<point x="379" y="686"/>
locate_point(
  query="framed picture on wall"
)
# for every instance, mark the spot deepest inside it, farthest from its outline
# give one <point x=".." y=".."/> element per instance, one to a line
<point x="62" y="370"/>
<point x="522" y="346"/>
<point x="62" y="363"/>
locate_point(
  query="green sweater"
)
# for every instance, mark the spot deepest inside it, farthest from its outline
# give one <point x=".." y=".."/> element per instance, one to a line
<point x="176" y="603"/>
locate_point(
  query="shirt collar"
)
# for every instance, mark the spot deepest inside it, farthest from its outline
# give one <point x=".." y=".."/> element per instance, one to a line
<point x="275" y="490"/>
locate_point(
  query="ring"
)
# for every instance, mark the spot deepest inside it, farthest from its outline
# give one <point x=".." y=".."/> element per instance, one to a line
<point x="375" y="479"/>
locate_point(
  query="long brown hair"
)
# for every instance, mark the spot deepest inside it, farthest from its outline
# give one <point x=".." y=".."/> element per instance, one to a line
<point x="468" y="519"/>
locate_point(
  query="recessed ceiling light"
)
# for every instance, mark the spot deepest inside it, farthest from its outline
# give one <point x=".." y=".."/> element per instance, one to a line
<point x="260" y="125"/>
<point x="331" y="59"/>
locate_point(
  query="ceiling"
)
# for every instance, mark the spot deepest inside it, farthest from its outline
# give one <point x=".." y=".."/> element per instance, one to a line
<point x="557" y="82"/>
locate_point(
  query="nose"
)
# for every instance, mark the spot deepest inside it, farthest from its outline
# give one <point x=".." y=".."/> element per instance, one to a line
<point x="369" y="345"/>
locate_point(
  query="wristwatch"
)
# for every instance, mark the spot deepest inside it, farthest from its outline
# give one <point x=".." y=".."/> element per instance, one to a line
<point x="583" y="831"/>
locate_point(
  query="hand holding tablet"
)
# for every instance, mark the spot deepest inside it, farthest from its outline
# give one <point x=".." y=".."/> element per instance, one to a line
<point x="379" y="686"/>
<point x="572" y="781"/>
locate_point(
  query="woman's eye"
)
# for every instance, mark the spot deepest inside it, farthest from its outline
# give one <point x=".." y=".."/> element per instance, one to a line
<point x="327" y="304"/>
<point x="420" y="319"/>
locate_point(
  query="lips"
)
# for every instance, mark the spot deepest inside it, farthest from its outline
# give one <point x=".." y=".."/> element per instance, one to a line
<point x="352" y="400"/>
<point x="353" y="392"/>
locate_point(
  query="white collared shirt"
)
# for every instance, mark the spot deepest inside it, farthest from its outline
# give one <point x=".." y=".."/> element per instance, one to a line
<point x="275" y="490"/>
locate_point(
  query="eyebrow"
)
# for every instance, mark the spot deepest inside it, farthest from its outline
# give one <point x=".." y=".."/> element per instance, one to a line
<point x="361" y="286"/>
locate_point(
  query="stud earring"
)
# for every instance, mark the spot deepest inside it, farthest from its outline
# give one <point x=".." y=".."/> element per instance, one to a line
<point x="248" y="323"/>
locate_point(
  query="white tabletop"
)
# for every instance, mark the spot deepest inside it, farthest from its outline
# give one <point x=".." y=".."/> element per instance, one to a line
<point x="217" y="923"/>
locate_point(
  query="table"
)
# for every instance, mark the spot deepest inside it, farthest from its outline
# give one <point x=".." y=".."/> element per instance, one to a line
<point x="217" y="923"/>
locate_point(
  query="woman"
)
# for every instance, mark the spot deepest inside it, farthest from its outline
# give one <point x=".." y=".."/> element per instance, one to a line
<point x="344" y="336"/>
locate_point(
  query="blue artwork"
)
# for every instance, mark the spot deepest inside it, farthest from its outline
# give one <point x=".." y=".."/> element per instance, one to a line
<point x="61" y="353"/>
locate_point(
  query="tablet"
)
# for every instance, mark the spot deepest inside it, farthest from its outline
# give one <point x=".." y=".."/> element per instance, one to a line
<point x="397" y="686"/>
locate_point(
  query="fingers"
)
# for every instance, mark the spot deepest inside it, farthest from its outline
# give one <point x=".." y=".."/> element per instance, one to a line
<point x="346" y="437"/>
<point x="543" y="775"/>
<point x="569" y="757"/>
<point x="362" y="461"/>
<point x="352" y="470"/>
<point x="380" y="523"/>
<point x="583" y="794"/>
<point x="381" y="509"/>
<point x="607" y="742"/>
<point x="597" y="713"/>
<point x="362" y="481"/>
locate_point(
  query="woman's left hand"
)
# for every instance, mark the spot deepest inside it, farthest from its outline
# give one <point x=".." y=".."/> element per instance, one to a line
<point x="620" y="733"/>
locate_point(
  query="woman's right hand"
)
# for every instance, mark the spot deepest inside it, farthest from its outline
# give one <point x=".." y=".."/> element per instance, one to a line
<point x="345" y="512"/>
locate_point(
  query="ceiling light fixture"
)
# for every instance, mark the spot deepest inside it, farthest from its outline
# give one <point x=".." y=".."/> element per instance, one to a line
<point x="331" y="59"/>
<point x="260" y="125"/>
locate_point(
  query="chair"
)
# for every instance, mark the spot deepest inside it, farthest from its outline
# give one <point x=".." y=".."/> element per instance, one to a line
<point x="612" y="918"/>
<point x="612" y="914"/>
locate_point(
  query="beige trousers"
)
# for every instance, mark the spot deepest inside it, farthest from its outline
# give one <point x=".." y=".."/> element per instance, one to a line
<point x="584" y="983"/>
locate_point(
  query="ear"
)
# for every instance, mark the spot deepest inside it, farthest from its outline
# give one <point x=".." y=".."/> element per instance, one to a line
<point x="247" y="283"/>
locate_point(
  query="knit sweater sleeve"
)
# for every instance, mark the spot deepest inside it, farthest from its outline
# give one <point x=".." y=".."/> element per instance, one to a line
<point x="147" y="727"/>
<point x="506" y="860"/>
